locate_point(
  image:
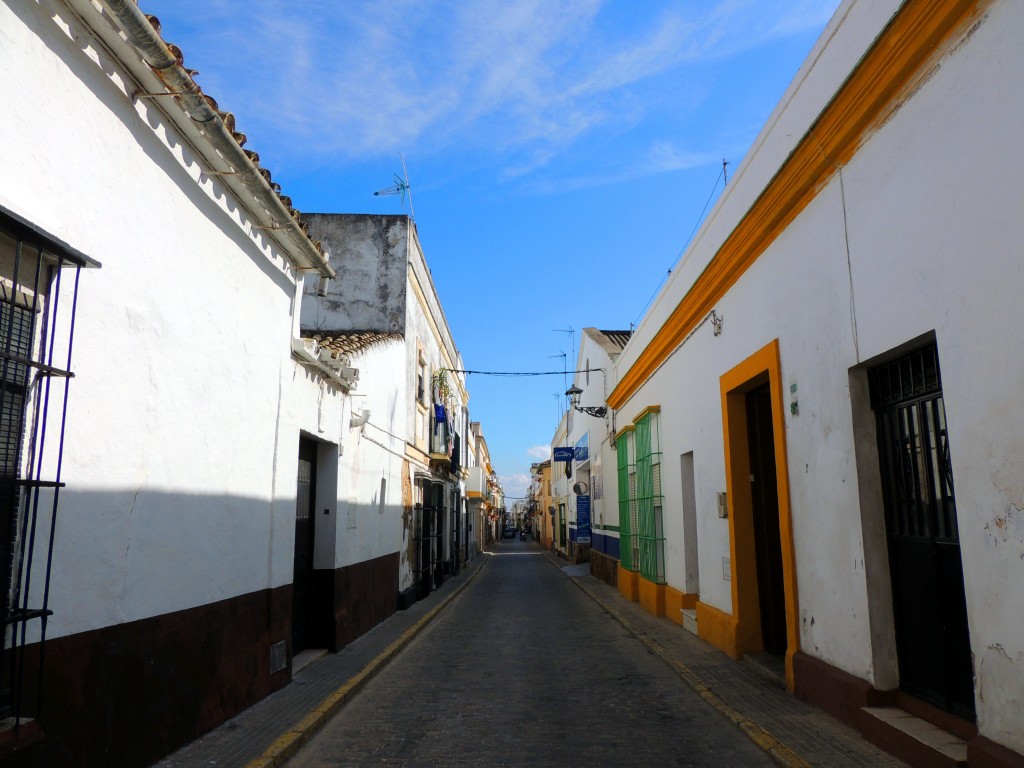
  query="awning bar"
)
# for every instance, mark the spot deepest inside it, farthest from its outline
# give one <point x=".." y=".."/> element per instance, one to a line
<point x="25" y="230"/>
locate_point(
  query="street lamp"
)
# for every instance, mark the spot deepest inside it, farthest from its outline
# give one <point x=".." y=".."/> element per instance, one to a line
<point x="574" y="393"/>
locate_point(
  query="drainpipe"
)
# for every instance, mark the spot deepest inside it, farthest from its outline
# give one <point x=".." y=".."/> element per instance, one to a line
<point x="245" y="172"/>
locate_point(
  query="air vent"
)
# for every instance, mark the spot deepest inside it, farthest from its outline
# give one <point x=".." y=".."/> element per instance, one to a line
<point x="278" y="656"/>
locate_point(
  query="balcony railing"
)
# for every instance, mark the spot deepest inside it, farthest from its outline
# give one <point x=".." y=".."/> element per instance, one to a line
<point x="476" y="483"/>
<point x="440" y="440"/>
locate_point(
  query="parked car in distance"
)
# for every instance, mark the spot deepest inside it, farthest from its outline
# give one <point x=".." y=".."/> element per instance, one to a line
<point x="508" y="533"/>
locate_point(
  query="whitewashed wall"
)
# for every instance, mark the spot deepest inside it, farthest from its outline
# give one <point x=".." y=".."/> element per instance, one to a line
<point x="603" y="511"/>
<point x="182" y="433"/>
<point x="368" y="528"/>
<point x="933" y="246"/>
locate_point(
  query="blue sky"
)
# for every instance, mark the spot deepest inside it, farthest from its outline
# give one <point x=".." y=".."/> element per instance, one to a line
<point x="560" y="152"/>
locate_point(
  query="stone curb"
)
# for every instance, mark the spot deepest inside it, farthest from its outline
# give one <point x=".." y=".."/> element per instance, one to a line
<point x="288" y="743"/>
<point x="779" y="752"/>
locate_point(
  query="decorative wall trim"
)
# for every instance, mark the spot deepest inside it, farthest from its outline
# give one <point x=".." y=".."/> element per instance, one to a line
<point x="867" y="98"/>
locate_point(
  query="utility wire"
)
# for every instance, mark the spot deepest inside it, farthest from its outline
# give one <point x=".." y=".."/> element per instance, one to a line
<point x="521" y="373"/>
<point x="683" y="250"/>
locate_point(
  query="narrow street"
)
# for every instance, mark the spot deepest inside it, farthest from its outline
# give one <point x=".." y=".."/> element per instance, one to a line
<point x="478" y="687"/>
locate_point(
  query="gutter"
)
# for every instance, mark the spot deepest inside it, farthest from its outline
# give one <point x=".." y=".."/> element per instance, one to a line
<point x="142" y="31"/>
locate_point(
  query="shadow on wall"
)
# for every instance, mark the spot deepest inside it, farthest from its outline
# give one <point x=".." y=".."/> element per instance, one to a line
<point x="124" y="693"/>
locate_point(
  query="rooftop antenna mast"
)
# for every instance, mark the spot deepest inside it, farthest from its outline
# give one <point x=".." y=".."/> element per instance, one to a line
<point x="400" y="187"/>
<point x="563" y="356"/>
<point x="572" y="344"/>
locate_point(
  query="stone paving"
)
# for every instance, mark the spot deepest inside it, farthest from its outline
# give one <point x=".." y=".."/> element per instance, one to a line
<point x="245" y="738"/>
<point x="813" y="736"/>
<point x="525" y="669"/>
<point x="522" y="659"/>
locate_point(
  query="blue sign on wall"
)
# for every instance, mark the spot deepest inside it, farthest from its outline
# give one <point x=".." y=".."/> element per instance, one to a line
<point x="583" y="519"/>
<point x="563" y="454"/>
<point x="583" y="447"/>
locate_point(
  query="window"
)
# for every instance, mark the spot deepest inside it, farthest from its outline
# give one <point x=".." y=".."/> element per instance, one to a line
<point x="38" y="297"/>
<point x="649" y="498"/>
<point x="422" y="381"/>
<point x="628" y="554"/>
<point x="641" y="524"/>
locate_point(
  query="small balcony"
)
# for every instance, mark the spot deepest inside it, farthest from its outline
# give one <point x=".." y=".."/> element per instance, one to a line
<point x="440" y="441"/>
<point x="476" y="484"/>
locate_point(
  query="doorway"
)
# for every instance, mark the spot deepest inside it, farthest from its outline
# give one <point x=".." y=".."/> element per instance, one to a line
<point x="930" y="609"/>
<point x="305" y="517"/>
<point x="428" y="538"/>
<point x="764" y="499"/>
<point x="762" y="563"/>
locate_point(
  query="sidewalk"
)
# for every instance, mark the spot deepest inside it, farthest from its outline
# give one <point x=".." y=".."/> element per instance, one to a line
<point x="270" y="731"/>
<point x="793" y="732"/>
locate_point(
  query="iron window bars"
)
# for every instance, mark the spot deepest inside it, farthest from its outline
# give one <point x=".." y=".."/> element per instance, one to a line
<point x="37" y="330"/>
<point x="629" y="547"/>
<point x="906" y="393"/>
<point x="649" y="499"/>
<point x="641" y="526"/>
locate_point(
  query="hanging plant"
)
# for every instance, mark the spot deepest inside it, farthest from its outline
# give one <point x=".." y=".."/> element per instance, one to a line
<point x="441" y="388"/>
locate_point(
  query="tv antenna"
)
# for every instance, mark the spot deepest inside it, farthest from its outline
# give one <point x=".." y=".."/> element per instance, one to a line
<point x="564" y="365"/>
<point x="400" y="187"/>
<point x="572" y="340"/>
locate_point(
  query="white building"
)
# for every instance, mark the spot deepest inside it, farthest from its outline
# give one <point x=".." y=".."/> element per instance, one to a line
<point x="591" y="516"/>
<point x="410" y="449"/>
<point x="228" y="478"/>
<point x="825" y="438"/>
<point x="483" y="492"/>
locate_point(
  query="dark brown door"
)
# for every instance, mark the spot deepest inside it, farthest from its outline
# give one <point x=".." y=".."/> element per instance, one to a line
<point x="771" y="591"/>
<point x="932" y="641"/>
<point x="302" y="583"/>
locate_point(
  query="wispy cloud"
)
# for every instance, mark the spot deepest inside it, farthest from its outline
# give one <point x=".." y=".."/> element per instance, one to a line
<point x="520" y="83"/>
<point x="539" y="452"/>
<point x="516" y="485"/>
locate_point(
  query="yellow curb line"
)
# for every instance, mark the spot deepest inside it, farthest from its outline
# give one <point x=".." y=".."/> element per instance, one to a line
<point x="777" y="751"/>
<point x="288" y="743"/>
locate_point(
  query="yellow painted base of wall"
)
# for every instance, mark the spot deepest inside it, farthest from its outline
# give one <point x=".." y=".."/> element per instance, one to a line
<point x="718" y="628"/>
<point x="629" y="584"/>
<point x="676" y="601"/>
<point x="652" y="597"/>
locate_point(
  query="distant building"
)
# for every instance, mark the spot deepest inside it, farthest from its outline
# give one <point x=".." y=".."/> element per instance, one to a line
<point x="411" y="446"/>
<point x="543" y="511"/>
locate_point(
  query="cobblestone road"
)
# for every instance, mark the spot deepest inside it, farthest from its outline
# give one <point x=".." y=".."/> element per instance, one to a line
<point x="524" y="669"/>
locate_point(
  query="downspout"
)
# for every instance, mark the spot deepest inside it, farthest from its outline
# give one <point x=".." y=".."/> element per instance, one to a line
<point x="245" y="172"/>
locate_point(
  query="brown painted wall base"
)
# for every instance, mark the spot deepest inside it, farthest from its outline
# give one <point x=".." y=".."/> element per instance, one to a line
<point x="354" y="599"/>
<point x="125" y="696"/>
<point x="837" y="692"/>
<point x="842" y="695"/>
<point x="604" y="567"/>
<point x="984" y="753"/>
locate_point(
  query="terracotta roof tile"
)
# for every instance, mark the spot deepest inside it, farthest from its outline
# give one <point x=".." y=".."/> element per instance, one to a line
<point x="350" y="342"/>
<point x="618" y="338"/>
<point x="240" y="138"/>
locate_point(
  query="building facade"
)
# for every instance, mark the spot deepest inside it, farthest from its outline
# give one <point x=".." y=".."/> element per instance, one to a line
<point x="417" y="404"/>
<point x="159" y="581"/>
<point x="216" y="455"/>
<point x="815" y="421"/>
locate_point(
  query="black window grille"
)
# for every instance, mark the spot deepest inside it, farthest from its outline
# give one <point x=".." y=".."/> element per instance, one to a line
<point x="38" y="299"/>
<point x="917" y="475"/>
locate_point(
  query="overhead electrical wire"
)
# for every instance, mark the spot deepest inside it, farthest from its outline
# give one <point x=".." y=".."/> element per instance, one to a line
<point x="700" y="218"/>
<point x="521" y="373"/>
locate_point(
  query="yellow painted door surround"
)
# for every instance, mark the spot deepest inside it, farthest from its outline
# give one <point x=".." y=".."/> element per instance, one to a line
<point x="740" y="632"/>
